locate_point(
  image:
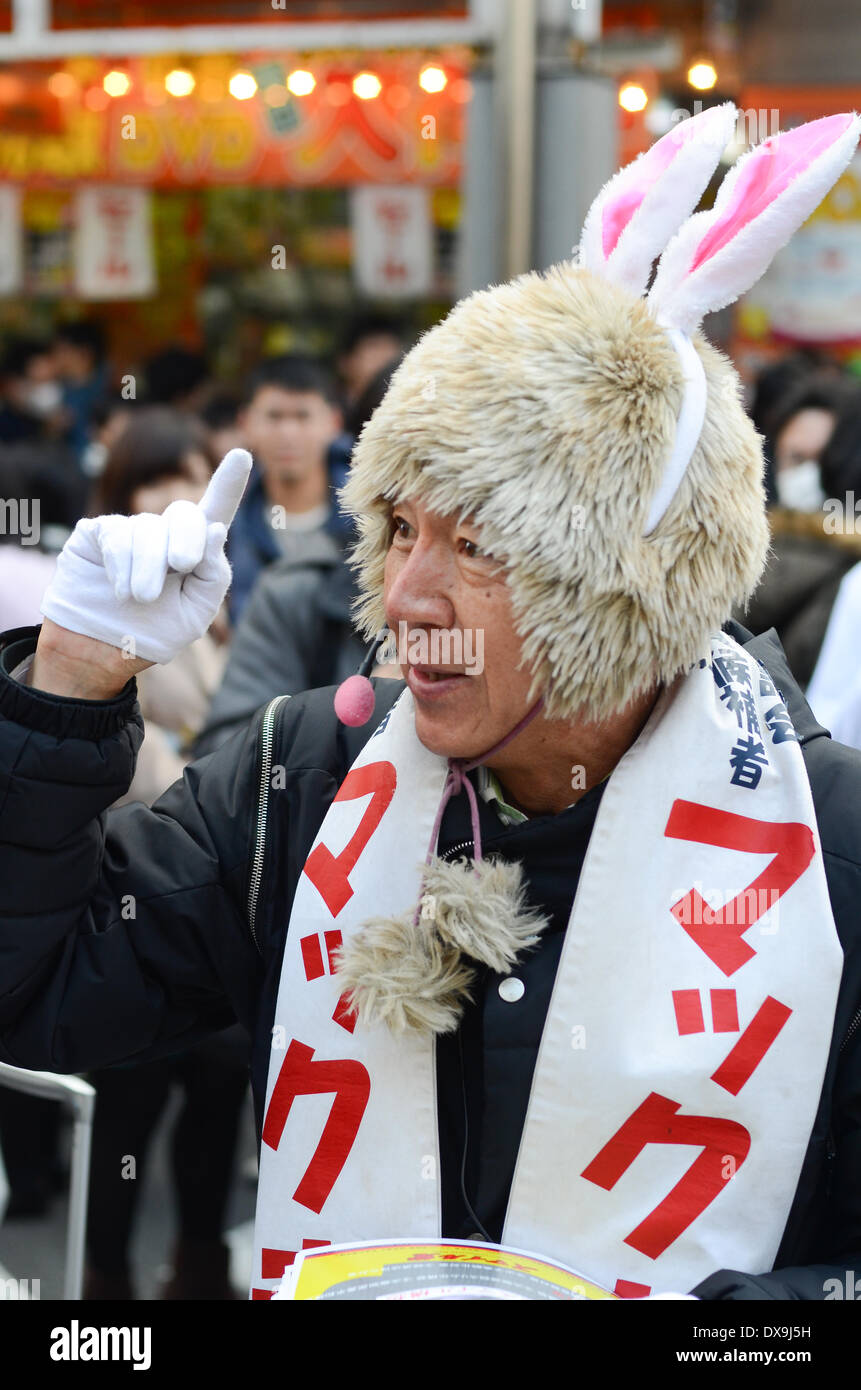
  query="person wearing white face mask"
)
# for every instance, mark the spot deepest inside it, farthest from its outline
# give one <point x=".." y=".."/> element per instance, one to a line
<point x="809" y="558"/>
<point x="804" y="427"/>
<point x="31" y="394"/>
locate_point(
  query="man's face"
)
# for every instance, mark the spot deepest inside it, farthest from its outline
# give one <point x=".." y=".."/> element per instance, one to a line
<point x="438" y="578"/>
<point x="72" y="363"/>
<point x="289" y="432"/>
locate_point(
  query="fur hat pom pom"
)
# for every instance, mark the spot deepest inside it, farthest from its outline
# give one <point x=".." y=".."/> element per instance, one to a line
<point x="416" y="978"/>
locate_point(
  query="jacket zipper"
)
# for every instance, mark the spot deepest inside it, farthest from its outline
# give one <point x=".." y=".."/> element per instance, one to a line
<point x="266" y="743"/>
<point x="853" y="1027"/>
<point x="454" y="848"/>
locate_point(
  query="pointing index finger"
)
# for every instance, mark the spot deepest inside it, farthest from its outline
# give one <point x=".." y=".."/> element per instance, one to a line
<point x="222" y="497"/>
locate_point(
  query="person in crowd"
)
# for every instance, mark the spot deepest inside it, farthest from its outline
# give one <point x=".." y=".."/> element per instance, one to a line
<point x="809" y="556"/>
<point x="213" y="1078"/>
<point x="371" y="341"/>
<point x="297" y="631"/>
<point x="774" y="385"/>
<point x="30" y="394"/>
<point x="81" y="365"/>
<point x="179" y="377"/>
<point x="108" y="418"/>
<point x="292" y="425"/>
<point x="221" y="414"/>
<point x="802" y="425"/>
<point x="464" y="913"/>
<point x="41" y="499"/>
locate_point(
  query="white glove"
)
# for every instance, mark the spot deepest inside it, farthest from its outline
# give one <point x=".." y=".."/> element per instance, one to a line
<point x="147" y="584"/>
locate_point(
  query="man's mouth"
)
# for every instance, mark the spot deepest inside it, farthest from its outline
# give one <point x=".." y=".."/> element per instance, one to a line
<point x="423" y="680"/>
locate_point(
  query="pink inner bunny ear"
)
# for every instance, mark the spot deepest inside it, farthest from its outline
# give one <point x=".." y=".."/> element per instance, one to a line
<point x="769" y="170"/>
<point x="635" y="182"/>
<point x="620" y="210"/>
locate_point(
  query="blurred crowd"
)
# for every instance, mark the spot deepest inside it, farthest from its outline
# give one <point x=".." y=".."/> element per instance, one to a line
<point x="77" y="439"/>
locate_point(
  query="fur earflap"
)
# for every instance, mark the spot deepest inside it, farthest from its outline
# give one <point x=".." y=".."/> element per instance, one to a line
<point x="416" y="978"/>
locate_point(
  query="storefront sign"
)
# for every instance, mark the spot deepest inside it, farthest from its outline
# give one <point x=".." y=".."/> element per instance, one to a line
<point x="113" y="243"/>
<point x="329" y="137"/>
<point x="392" y="242"/>
<point x="10" y="239"/>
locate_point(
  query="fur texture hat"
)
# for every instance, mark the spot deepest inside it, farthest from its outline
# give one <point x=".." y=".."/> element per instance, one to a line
<point x="548" y="409"/>
<point x="607" y="459"/>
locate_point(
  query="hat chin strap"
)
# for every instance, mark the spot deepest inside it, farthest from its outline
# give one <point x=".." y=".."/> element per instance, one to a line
<point x="689" y="426"/>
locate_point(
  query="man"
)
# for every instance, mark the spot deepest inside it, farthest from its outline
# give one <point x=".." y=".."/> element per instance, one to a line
<point x="297" y="631"/>
<point x="29" y="393"/>
<point x="371" y="342"/>
<point x="291" y="424"/>
<point x="509" y="1040"/>
<point x="80" y="363"/>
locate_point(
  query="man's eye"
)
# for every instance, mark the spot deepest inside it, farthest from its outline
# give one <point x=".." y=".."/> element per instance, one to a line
<point x="400" y="527"/>
<point x="473" y="551"/>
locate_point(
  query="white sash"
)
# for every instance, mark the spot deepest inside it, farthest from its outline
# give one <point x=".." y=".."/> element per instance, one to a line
<point x="682" y="1058"/>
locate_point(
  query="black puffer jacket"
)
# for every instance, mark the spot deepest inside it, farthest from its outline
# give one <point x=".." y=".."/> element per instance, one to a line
<point x="295" y="634"/>
<point x="128" y="935"/>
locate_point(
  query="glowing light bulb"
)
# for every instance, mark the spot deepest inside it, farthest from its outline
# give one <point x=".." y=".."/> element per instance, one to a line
<point x="62" y="85"/>
<point x="633" y="97"/>
<point x="301" y="83"/>
<point x="96" y="99"/>
<point x="116" y="83"/>
<point x="703" y="76"/>
<point x="432" y="79"/>
<point x="367" y="86"/>
<point x="242" y="86"/>
<point x="180" y="82"/>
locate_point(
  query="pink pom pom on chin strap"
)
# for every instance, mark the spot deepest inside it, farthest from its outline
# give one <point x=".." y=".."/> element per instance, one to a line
<point x="354" y="701"/>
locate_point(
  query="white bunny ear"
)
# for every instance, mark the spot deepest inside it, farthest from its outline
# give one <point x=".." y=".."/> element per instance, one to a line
<point x="719" y="254"/>
<point x="636" y="213"/>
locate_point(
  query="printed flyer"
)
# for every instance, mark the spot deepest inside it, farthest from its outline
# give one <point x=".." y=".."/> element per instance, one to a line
<point x="431" y="1269"/>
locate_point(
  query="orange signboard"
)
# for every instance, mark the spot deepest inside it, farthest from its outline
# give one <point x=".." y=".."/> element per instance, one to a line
<point x="330" y="137"/>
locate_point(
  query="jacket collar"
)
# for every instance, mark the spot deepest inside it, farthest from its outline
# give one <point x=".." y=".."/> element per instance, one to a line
<point x="766" y="649"/>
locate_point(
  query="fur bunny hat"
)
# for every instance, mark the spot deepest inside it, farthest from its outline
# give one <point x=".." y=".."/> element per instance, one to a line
<point x="603" y="452"/>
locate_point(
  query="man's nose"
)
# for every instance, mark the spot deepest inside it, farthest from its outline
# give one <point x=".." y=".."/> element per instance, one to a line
<point x="420" y="592"/>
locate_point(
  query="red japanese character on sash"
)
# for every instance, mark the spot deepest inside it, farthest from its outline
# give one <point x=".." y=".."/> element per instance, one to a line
<point x="300" y="1075"/>
<point x="656" y="1122"/>
<point x="719" y="931"/>
<point x="329" y="873"/>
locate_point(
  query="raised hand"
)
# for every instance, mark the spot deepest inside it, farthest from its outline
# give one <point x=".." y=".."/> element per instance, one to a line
<point x="144" y="585"/>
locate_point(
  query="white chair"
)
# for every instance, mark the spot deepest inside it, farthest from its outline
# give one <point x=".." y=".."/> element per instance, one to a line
<point x="80" y="1096"/>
